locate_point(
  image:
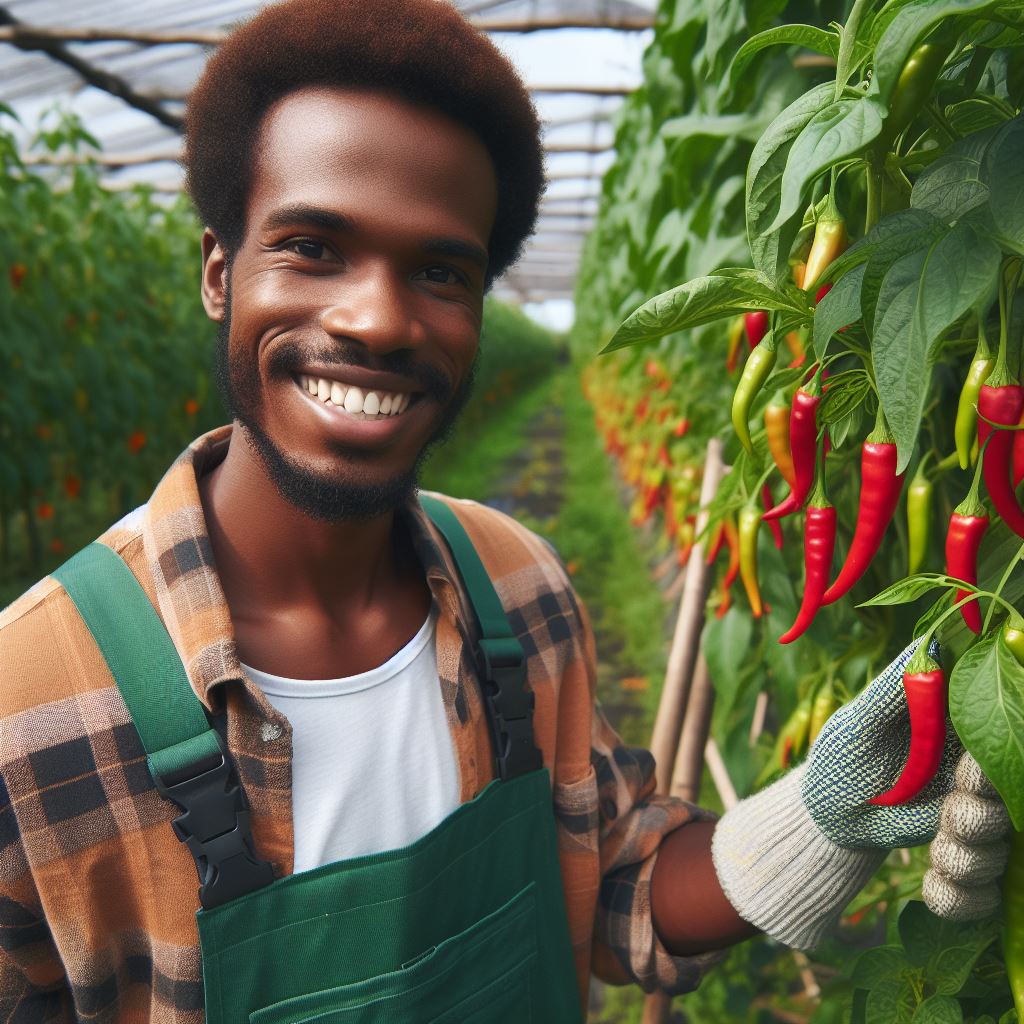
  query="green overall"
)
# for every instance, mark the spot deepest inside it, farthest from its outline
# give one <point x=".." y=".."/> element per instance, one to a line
<point x="465" y="926"/>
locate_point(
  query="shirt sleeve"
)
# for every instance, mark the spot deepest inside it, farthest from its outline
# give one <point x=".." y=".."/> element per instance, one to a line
<point x="633" y="823"/>
<point x="33" y="983"/>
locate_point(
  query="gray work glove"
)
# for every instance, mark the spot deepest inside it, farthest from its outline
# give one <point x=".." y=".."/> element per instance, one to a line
<point x="791" y="857"/>
<point x="970" y="851"/>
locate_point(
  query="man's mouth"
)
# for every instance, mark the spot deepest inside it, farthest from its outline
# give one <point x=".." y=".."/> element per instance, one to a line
<point x="360" y="403"/>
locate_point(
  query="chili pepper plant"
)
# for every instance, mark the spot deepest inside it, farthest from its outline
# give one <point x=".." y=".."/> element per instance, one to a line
<point x="849" y="196"/>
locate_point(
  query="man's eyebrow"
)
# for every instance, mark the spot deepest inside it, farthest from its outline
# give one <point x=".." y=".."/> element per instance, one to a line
<point x="459" y="249"/>
<point x="314" y="216"/>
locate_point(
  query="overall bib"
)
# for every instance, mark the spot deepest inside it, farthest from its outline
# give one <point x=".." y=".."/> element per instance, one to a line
<point x="465" y="926"/>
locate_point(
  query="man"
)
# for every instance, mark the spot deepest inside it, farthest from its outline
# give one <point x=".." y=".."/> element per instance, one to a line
<point x="362" y="186"/>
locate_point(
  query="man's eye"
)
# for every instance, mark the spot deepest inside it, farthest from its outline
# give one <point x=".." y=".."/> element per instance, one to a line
<point x="442" y="275"/>
<point x="309" y="249"/>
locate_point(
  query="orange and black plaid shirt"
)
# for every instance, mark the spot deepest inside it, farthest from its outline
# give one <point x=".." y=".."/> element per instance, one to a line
<point x="97" y="896"/>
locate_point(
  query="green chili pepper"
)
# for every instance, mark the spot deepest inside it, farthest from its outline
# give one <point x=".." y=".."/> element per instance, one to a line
<point x="750" y="523"/>
<point x="967" y="407"/>
<point x="914" y="87"/>
<point x="919" y="518"/>
<point x="1013" y="637"/>
<point x="756" y="370"/>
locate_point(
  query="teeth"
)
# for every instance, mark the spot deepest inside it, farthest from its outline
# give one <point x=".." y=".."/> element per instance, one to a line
<point x="354" y="400"/>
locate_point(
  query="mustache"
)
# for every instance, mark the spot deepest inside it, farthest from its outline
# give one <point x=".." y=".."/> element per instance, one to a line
<point x="290" y="356"/>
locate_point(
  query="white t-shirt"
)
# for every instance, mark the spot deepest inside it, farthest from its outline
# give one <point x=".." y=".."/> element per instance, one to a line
<point x="373" y="766"/>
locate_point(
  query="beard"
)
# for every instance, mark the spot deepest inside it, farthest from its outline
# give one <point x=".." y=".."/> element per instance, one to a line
<point x="331" y="498"/>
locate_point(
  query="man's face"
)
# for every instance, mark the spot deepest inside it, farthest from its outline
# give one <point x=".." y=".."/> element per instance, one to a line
<point x="357" y="291"/>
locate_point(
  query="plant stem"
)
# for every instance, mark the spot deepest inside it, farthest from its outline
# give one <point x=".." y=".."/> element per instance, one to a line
<point x="874" y="199"/>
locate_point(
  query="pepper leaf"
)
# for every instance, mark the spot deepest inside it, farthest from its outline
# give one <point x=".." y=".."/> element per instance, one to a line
<point x="952" y="186"/>
<point x="808" y="36"/>
<point x="1003" y="172"/>
<point x="724" y="293"/>
<point x="837" y="132"/>
<point x="838" y="309"/>
<point x="922" y="295"/>
<point x="938" y="1009"/>
<point x="770" y="248"/>
<point x="904" y="591"/>
<point x="986" y="704"/>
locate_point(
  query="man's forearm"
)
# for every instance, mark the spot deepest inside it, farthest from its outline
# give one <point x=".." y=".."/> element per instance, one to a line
<point x="691" y="913"/>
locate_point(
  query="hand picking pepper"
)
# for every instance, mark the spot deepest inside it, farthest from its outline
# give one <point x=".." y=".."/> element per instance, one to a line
<point x="750" y="523"/>
<point x="919" y="518"/>
<point x="880" y="487"/>
<point x="819" y="543"/>
<point x="803" y="439"/>
<point x="924" y="684"/>
<point x="967" y="526"/>
<point x="967" y="407"/>
<point x="830" y="241"/>
<point x="759" y="365"/>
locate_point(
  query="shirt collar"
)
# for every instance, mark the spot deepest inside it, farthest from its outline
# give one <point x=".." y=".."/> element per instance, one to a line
<point x="191" y="600"/>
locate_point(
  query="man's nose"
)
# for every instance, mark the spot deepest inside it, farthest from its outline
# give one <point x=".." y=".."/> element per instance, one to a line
<point x="374" y="306"/>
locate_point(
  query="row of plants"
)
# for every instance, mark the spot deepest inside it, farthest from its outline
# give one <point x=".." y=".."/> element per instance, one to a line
<point x="106" y="354"/>
<point x="811" y="246"/>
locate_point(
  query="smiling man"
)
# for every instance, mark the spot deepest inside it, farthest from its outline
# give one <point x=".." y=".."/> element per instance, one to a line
<point x="364" y="716"/>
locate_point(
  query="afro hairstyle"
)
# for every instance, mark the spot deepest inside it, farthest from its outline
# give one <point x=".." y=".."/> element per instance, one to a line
<point x="422" y="50"/>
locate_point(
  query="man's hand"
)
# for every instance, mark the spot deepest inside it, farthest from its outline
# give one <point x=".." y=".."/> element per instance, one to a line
<point x="970" y="851"/>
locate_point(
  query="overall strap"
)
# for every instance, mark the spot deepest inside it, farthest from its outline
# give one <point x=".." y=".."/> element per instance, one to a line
<point x="499" y="656"/>
<point x="187" y="758"/>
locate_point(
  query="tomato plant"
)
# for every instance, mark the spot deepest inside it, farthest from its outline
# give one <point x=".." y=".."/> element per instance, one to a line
<point x="858" y="186"/>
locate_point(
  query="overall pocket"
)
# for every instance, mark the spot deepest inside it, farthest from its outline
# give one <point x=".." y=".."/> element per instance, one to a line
<point x="482" y="974"/>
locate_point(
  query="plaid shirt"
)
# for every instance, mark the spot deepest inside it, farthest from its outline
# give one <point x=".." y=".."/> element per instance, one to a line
<point x="97" y="896"/>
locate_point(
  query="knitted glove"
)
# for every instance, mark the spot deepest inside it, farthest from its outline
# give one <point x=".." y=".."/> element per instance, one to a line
<point x="791" y="857"/>
<point x="970" y="851"/>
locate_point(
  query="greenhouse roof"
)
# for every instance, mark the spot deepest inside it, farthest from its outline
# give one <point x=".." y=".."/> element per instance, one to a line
<point x="125" y="69"/>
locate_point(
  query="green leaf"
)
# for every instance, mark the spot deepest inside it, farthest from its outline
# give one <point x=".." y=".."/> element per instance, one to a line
<point x="948" y="950"/>
<point x="892" y="1002"/>
<point x="838" y="309"/>
<point x="904" y="591"/>
<point x="939" y="1010"/>
<point x="1003" y="171"/>
<point x="726" y="644"/>
<point x="807" y="36"/>
<point x="770" y="249"/>
<point x="878" y="965"/>
<point x="725" y="293"/>
<point x="840" y="130"/>
<point x="952" y="186"/>
<point x="887" y="234"/>
<point x="845" y="393"/>
<point x="986" y="704"/>
<point x="921" y="296"/>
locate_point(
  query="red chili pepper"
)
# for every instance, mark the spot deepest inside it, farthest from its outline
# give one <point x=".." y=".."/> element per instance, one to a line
<point x="717" y="541"/>
<point x="756" y="326"/>
<point x="967" y="526"/>
<point x="732" y="539"/>
<point x="819" y="543"/>
<point x="1018" y="455"/>
<point x="925" y="687"/>
<point x="803" y="446"/>
<point x="880" y="487"/>
<point x="774" y="525"/>
<point x="1004" y="405"/>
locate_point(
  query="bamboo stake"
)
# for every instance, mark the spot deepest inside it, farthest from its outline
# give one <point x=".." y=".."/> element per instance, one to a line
<point x="685" y="642"/>
<point x="686" y="775"/>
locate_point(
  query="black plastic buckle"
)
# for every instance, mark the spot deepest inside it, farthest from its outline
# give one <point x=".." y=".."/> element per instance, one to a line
<point x="510" y="708"/>
<point x="215" y="828"/>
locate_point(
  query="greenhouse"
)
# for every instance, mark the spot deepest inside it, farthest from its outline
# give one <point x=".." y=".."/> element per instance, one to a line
<point x="510" y="510"/>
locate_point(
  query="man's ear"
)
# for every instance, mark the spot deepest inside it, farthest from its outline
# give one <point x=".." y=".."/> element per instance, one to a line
<point x="214" y="281"/>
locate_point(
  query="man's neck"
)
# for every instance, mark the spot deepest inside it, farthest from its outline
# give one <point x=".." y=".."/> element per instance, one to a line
<point x="275" y="560"/>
